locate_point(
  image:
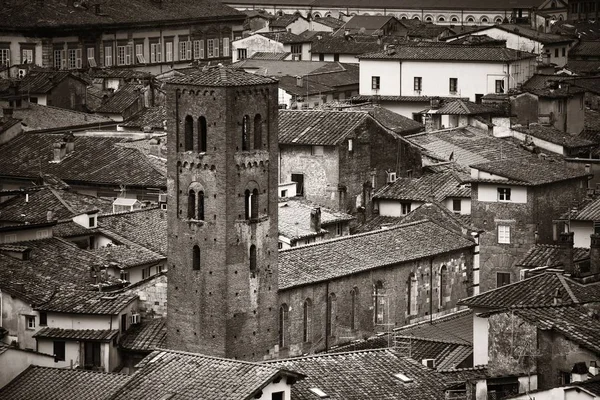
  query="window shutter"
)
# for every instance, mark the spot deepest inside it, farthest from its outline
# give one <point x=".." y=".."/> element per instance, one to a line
<point x="128" y="51"/>
<point x="63" y="59"/>
<point x="153" y="53"/>
<point x="78" y="62"/>
<point x="217" y="41"/>
<point x="202" y="49"/>
<point x="188" y="52"/>
<point x="159" y="52"/>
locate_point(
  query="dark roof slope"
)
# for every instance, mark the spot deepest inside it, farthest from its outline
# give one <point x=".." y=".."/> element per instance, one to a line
<point x="549" y="255"/>
<point x="221" y="77"/>
<point x="391" y="120"/>
<point x="440" y="51"/>
<point x="38" y="117"/>
<point x="586" y="48"/>
<point x="430" y="186"/>
<point x="146" y="336"/>
<point x="285" y="37"/>
<point x="86" y="302"/>
<point x="154" y="117"/>
<point x="367" y="23"/>
<point x="58" y="15"/>
<point x="363" y="375"/>
<point x="553" y="135"/>
<point x="589" y="212"/>
<point x="77" y="334"/>
<point x="44" y="81"/>
<point x="456" y="327"/>
<point x="175" y="374"/>
<point x="330" y="22"/>
<point x="62" y="384"/>
<point x="526" y="31"/>
<point x="462" y="107"/>
<point x="316" y="127"/>
<point x="432" y="4"/>
<point x="122" y="99"/>
<point x="146" y="227"/>
<point x="345" y="45"/>
<point x="349" y="255"/>
<point x="95" y="160"/>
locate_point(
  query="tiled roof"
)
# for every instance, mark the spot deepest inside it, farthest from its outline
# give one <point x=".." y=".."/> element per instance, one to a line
<point x="146" y="227"/>
<point x="153" y="117"/>
<point x="147" y="336"/>
<point x="593" y="385"/>
<point x="538" y="290"/>
<point x="53" y="264"/>
<point x="589" y="212"/>
<point x="173" y="374"/>
<point x="127" y="254"/>
<point x="294" y="219"/>
<point x="279" y="68"/>
<point x="456" y="327"/>
<point x="7" y="122"/>
<point x="584" y="66"/>
<point x="526" y="31"/>
<point x="553" y="135"/>
<point x="77" y="334"/>
<point x="364" y="375"/>
<point x="282" y="21"/>
<point x="548" y="255"/>
<point x="377" y="222"/>
<point x="391" y="120"/>
<point x="336" y="75"/>
<point x="575" y="322"/>
<point x="315" y="127"/>
<point x="345" y="45"/>
<point x="531" y="170"/>
<point x="309" y="86"/>
<point x="542" y="81"/>
<point x="64" y="204"/>
<point x="221" y="77"/>
<point x="559" y="92"/>
<point x="438" y="213"/>
<point x="154" y="149"/>
<point x="25" y="155"/>
<point x="367" y="23"/>
<point x="426" y="30"/>
<point x="349" y="255"/>
<point x="122" y="99"/>
<point x="467" y="145"/>
<point x="44" y="81"/>
<point x="440" y="51"/>
<point x="264" y="55"/>
<point x="462" y="107"/>
<point x="284" y="37"/>
<point x="62" y="384"/>
<point x="119" y="73"/>
<point x="589" y="84"/>
<point x="417" y="99"/>
<point x="86" y="302"/>
<point x="585" y="48"/>
<point x="55" y="14"/>
<point x="428" y="187"/>
<point x="330" y="22"/>
<point x="38" y="117"/>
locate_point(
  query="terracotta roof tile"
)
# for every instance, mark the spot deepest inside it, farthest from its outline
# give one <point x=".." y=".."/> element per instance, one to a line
<point x="44" y="81"/>
<point x="221" y="77"/>
<point x="548" y="255"/>
<point x="428" y="187"/>
<point x="393" y="121"/>
<point x="377" y="222"/>
<point x="585" y="48"/>
<point x="146" y="227"/>
<point x="86" y="302"/>
<point x="462" y="107"/>
<point x="330" y="22"/>
<point x="122" y="99"/>
<point x="62" y="384"/>
<point x="358" y="253"/>
<point x="456" y="327"/>
<point x="38" y="117"/>
<point x="263" y="55"/>
<point x="189" y="375"/>
<point x="593" y="385"/>
<point x="154" y="117"/>
<point x="77" y="334"/>
<point x="294" y="219"/>
<point x="527" y="32"/>
<point x="315" y="127"/>
<point x="284" y="37"/>
<point x="147" y="336"/>
<point x="553" y="135"/>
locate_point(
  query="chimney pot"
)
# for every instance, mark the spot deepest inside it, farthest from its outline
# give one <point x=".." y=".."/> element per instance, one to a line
<point x="315" y="219"/>
<point x="566" y="243"/>
<point x="299" y="81"/>
<point x="60" y="151"/>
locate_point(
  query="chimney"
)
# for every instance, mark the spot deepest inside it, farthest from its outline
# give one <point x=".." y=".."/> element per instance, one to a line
<point x="69" y="140"/>
<point x="595" y="254"/>
<point x="299" y="81"/>
<point x="315" y="219"/>
<point x="565" y="240"/>
<point x="434" y="103"/>
<point x="60" y="151"/>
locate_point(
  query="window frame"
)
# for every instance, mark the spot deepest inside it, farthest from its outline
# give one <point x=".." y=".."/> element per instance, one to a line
<point x="108" y="56"/>
<point x="504" y="194"/>
<point x="30" y="322"/>
<point x="59" y="356"/>
<point x="418" y="83"/>
<point x="5" y="56"/>
<point x="504" y="275"/>
<point x="456" y="202"/>
<point x="375" y="82"/>
<point x="453" y="82"/>
<point x="503" y="232"/>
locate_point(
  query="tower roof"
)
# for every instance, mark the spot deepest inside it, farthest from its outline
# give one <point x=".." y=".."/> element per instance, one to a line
<point x="221" y="76"/>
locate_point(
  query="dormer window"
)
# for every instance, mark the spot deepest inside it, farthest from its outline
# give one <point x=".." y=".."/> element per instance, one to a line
<point x="319" y="392"/>
<point x="504" y="194"/>
<point x="92" y="222"/>
<point x="403" y="378"/>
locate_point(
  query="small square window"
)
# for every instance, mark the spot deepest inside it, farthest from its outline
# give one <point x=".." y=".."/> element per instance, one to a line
<point x="504" y="194"/>
<point x="418" y="83"/>
<point x="453" y="85"/>
<point x="405" y="208"/>
<point x="43" y="318"/>
<point x="30" y="321"/>
<point x="504" y="234"/>
<point x="456" y="203"/>
<point x="375" y="82"/>
<point x="502" y="278"/>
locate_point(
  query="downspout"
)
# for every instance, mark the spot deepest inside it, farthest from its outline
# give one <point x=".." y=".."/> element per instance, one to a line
<point x="327" y="316"/>
<point x="431" y="290"/>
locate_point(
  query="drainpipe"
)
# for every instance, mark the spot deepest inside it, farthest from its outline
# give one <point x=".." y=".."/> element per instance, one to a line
<point x="327" y="316"/>
<point x="431" y="289"/>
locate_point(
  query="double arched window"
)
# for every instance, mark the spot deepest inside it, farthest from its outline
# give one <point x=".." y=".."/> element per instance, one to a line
<point x="251" y="204"/>
<point x="252" y="137"/>
<point x="200" y="136"/>
<point x="196" y="202"/>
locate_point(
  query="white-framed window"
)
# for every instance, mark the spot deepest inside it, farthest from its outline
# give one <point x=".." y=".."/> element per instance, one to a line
<point x="91" y="57"/>
<point x="198" y="49"/>
<point x="185" y="50"/>
<point x="504" y="234"/>
<point x="30" y="320"/>
<point x="139" y="53"/>
<point x="121" y="51"/>
<point x="226" y="47"/>
<point x="58" y="58"/>
<point x="74" y="61"/>
<point x="375" y="82"/>
<point x="504" y="194"/>
<point x="27" y="56"/>
<point x="5" y="57"/>
<point x="405" y="208"/>
<point x="108" y="56"/>
<point x="169" y="51"/>
<point x="212" y="47"/>
<point x="155" y="52"/>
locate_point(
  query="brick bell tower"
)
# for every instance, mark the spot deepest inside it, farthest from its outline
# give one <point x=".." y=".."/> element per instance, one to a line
<point x="222" y="213"/>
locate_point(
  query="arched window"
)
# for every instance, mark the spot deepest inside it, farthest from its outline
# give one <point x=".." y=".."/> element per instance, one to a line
<point x="443" y="284"/>
<point x="200" y="205"/>
<point x="316" y="15"/>
<point x="196" y="258"/>
<point x="429" y="18"/>
<point x="411" y="303"/>
<point x="283" y="324"/>
<point x="379" y="298"/>
<point x="258" y="132"/>
<point x="245" y="129"/>
<point x="307" y="321"/>
<point x="192" y="204"/>
<point x="484" y="20"/>
<point x="470" y="19"/>
<point x="202" y="135"/>
<point x="247" y="206"/>
<point x="354" y="308"/>
<point x="189" y="134"/>
<point x="454" y="19"/>
<point x="498" y="20"/>
<point x="331" y="315"/>
<point x="253" y="261"/>
<point x="254" y="204"/>
<point x="441" y="19"/>
<point x="416" y="18"/>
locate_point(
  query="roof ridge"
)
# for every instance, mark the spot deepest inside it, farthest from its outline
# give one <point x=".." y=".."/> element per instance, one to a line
<point x="563" y="282"/>
<point x="61" y="200"/>
<point x="32" y="366"/>
<point x="505" y="286"/>
<point x="427" y="321"/>
<point x="311" y="356"/>
<point x="188" y="353"/>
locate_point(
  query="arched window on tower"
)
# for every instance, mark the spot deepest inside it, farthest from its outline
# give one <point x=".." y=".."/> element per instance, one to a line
<point x="253" y="261"/>
<point x="245" y="131"/>
<point x="257" y="132"/>
<point x="283" y="324"/>
<point x="202" y="135"/>
<point x="411" y="303"/>
<point x="200" y="206"/>
<point x="247" y="205"/>
<point x="189" y="134"/>
<point x="307" y="321"/>
<point x="254" y="204"/>
<point x="354" y="308"/>
<point x="191" y="204"/>
<point x="196" y="258"/>
<point x="443" y="284"/>
<point x="331" y="315"/>
<point x="380" y="304"/>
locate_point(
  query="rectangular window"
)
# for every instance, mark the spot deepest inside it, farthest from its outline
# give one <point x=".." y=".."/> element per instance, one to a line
<point x="121" y="55"/>
<point x="155" y="52"/>
<point x="145" y="272"/>
<point x="43" y="318"/>
<point x="278" y="396"/>
<point x="297" y="51"/>
<point x="405" y="208"/>
<point x="564" y="51"/>
<point x="504" y="194"/>
<point x="555" y="52"/>
<point x="124" y="275"/>
<point x="108" y="58"/>
<point x="91" y="59"/>
<point x="27" y="56"/>
<point x="30" y="320"/>
<point x="418" y="84"/>
<point x="499" y="86"/>
<point x="59" y="350"/>
<point x="75" y="59"/>
<point x="210" y="47"/>
<point x="321" y="57"/>
<point x="199" y="49"/>
<point x="453" y="85"/>
<point x="225" y="47"/>
<point x="242" y="54"/>
<point x="91" y="355"/>
<point x="168" y="51"/>
<point x="58" y="59"/>
<point x="139" y="53"/>
<point x="336" y="57"/>
<point x="504" y="234"/>
<point x="502" y="278"/>
<point x="375" y="82"/>
<point x="456" y="203"/>
<point x="185" y="50"/>
<point x="5" y="57"/>
<point x="159" y="269"/>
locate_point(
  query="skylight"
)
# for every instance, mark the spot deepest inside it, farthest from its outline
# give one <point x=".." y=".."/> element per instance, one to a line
<point x="403" y="378"/>
<point x="319" y="393"/>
